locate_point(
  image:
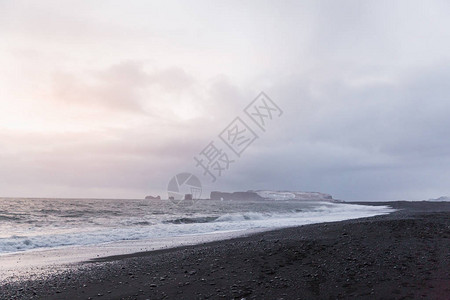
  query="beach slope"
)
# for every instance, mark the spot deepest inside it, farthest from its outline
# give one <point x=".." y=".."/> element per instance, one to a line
<point x="404" y="254"/>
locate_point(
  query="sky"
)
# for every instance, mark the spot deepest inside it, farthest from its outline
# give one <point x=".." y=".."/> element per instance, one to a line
<point x="111" y="99"/>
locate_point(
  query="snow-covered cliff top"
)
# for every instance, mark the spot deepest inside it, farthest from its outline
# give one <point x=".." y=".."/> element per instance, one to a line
<point x="443" y="198"/>
<point x="286" y="195"/>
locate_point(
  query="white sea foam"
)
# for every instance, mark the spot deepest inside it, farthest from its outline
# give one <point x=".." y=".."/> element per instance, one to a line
<point x="170" y="224"/>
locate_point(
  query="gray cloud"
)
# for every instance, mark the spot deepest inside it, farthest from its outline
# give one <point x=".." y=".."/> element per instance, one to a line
<point x="364" y="88"/>
<point x="377" y="142"/>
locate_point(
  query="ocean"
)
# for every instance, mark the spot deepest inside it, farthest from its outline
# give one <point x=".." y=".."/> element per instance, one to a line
<point x="31" y="224"/>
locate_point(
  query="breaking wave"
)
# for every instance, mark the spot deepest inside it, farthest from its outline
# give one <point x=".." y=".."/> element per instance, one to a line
<point x="140" y="229"/>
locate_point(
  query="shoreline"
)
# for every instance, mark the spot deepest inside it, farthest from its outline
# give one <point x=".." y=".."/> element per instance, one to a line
<point x="37" y="261"/>
<point x="42" y="262"/>
<point x="404" y="253"/>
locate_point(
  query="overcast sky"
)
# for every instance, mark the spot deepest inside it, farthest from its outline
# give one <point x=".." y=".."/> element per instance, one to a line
<point x="112" y="98"/>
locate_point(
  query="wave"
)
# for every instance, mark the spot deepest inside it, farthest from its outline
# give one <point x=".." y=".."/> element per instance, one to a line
<point x="191" y="220"/>
<point x="9" y="218"/>
<point x="140" y="229"/>
<point x="230" y="217"/>
<point x="239" y="217"/>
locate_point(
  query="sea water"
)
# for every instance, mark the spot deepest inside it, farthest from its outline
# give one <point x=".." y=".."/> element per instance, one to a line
<point x="30" y="224"/>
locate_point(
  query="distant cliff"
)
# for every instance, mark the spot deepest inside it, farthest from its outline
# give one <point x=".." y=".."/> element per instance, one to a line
<point x="250" y="195"/>
<point x="270" y="195"/>
<point x="443" y="198"/>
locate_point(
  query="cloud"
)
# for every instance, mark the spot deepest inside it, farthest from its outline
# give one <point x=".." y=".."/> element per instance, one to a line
<point x="128" y="87"/>
<point x="119" y="87"/>
<point x="107" y="99"/>
<point x="121" y="148"/>
<point x="382" y="141"/>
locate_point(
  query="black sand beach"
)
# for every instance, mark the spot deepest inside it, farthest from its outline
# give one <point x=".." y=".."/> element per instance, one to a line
<point x="404" y="255"/>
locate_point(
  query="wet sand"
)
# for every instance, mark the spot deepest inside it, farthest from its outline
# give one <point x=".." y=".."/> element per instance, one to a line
<point x="404" y="255"/>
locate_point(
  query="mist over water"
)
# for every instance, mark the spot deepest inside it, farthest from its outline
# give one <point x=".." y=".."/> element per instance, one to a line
<point x="27" y="224"/>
